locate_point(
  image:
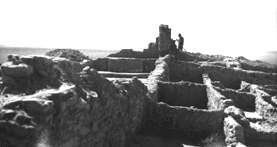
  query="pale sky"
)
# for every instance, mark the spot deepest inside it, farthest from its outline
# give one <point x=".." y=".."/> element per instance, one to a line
<point x="229" y="27"/>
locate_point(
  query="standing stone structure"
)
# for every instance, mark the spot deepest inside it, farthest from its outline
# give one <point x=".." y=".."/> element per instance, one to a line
<point x="164" y="41"/>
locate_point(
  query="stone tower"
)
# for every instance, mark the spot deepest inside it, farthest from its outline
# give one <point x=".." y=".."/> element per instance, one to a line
<point x="164" y="41"/>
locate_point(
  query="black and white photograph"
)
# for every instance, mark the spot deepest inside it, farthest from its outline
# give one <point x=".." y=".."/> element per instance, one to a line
<point x="138" y="73"/>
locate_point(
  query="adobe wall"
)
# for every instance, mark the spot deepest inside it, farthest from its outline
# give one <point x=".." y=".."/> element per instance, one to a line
<point x="183" y="94"/>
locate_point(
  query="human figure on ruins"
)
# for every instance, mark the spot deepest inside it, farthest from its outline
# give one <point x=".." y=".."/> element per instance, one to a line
<point x="17" y="60"/>
<point x="180" y="42"/>
<point x="10" y="58"/>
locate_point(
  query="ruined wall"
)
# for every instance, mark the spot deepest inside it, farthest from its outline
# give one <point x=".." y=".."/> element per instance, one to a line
<point x="242" y="100"/>
<point x="234" y="132"/>
<point x="216" y="101"/>
<point x="160" y="73"/>
<point x="235" y="124"/>
<point x="129" y="53"/>
<point x="161" y="119"/>
<point x="90" y="112"/>
<point x="232" y="78"/>
<point x="100" y="64"/>
<point x="229" y="77"/>
<point x="258" y="66"/>
<point x="265" y="105"/>
<point x="123" y="64"/>
<point x="183" y="94"/>
<point x="46" y="72"/>
<point x="186" y="71"/>
<point x="148" y="65"/>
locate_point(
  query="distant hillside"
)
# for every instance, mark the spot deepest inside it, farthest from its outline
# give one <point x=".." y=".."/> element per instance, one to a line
<point x="270" y="57"/>
<point x="4" y="51"/>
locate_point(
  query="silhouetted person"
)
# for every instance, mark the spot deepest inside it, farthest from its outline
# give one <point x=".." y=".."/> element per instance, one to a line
<point x="180" y="42"/>
<point x="10" y="58"/>
<point x="17" y="60"/>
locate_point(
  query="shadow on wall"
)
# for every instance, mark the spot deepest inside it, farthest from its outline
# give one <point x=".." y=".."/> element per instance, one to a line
<point x="189" y="125"/>
<point x="185" y="71"/>
<point x="183" y="94"/>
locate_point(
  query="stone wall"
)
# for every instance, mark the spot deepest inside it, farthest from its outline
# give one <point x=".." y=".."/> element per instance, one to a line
<point x="265" y="104"/>
<point x="258" y="66"/>
<point x="46" y="72"/>
<point x="235" y="123"/>
<point x="178" y="122"/>
<point x="160" y="73"/>
<point x="125" y="65"/>
<point x="183" y="94"/>
<point x="91" y="112"/>
<point x="186" y="71"/>
<point x="100" y="64"/>
<point x="216" y="101"/>
<point x="132" y="65"/>
<point x="234" y="132"/>
<point x="148" y="65"/>
<point x="129" y="53"/>
<point x="232" y="78"/>
<point x="229" y="77"/>
<point x="242" y="100"/>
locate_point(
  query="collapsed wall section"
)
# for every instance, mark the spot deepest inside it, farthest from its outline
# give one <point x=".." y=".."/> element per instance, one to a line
<point x="233" y="129"/>
<point x="37" y="72"/>
<point x="94" y="112"/>
<point x="266" y="105"/>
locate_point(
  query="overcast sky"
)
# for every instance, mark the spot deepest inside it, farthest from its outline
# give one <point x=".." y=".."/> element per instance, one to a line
<point x="230" y="27"/>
